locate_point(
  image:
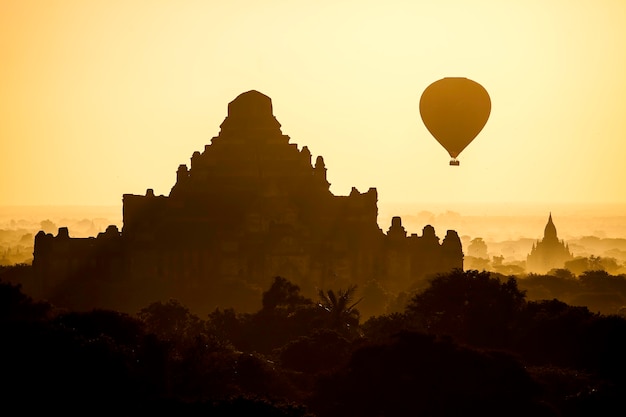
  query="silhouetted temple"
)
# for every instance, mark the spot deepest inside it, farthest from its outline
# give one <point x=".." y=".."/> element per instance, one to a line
<point x="251" y="206"/>
<point x="548" y="253"/>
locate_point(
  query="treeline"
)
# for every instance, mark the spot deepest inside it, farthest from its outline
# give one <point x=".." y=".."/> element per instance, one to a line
<point x="468" y="344"/>
<point x="576" y="266"/>
<point x="597" y="290"/>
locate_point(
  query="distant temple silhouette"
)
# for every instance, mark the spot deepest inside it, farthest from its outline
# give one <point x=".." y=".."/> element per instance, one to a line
<point x="250" y="207"/>
<point x="548" y="253"/>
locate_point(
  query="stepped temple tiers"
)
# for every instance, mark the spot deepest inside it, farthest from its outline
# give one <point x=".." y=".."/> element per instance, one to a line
<point x="250" y="207"/>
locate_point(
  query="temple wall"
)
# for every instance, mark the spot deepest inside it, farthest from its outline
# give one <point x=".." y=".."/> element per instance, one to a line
<point x="250" y="207"/>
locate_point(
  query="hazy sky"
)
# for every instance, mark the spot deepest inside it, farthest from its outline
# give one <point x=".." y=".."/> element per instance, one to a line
<point x="101" y="98"/>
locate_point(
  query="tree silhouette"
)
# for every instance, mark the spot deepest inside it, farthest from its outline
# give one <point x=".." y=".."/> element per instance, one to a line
<point x="342" y="314"/>
<point x="478" y="248"/>
<point x="472" y="306"/>
<point x="17" y="306"/>
<point x="323" y="350"/>
<point x="174" y="324"/>
<point x="283" y="293"/>
<point x="415" y="374"/>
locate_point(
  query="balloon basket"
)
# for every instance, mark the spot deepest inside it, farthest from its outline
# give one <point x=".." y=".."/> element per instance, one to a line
<point x="455" y="163"/>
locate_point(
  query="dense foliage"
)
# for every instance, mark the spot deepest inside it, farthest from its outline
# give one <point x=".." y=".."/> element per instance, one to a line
<point x="470" y="343"/>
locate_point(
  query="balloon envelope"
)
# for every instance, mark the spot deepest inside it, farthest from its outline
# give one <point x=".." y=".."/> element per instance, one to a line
<point x="454" y="111"/>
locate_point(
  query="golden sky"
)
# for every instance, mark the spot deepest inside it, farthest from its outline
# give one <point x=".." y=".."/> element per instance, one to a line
<point x="105" y="97"/>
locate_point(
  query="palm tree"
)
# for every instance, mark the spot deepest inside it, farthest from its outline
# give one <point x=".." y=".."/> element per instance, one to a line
<point x="342" y="313"/>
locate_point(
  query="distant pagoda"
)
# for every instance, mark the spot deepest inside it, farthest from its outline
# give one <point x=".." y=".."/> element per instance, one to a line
<point x="549" y="253"/>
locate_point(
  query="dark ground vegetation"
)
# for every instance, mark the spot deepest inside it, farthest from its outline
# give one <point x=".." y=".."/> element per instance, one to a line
<point x="470" y="343"/>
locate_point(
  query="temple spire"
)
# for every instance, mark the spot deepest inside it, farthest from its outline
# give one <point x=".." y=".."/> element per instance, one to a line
<point x="549" y="232"/>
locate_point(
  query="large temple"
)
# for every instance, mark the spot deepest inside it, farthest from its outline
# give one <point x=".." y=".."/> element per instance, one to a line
<point x="549" y="253"/>
<point x="250" y="207"/>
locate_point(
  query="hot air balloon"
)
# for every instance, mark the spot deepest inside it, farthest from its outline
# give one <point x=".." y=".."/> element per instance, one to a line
<point x="454" y="111"/>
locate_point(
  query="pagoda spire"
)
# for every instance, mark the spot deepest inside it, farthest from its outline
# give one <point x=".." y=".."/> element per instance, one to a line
<point x="549" y="232"/>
